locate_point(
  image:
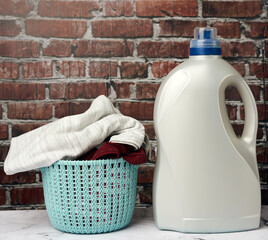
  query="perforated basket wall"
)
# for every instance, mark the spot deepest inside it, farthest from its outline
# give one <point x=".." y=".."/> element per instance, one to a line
<point x="90" y="196"/>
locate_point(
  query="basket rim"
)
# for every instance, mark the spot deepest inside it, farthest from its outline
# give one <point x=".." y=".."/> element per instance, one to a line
<point x="74" y="162"/>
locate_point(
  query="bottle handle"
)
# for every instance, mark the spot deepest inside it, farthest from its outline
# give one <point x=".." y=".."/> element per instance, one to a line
<point x="251" y="119"/>
<point x="251" y="115"/>
<point x="246" y="144"/>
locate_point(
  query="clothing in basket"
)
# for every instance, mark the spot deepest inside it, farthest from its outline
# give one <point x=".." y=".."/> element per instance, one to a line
<point x="72" y="136"/>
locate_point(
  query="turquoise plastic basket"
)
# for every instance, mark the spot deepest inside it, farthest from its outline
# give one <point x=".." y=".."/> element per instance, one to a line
<point x="90" y="196"/>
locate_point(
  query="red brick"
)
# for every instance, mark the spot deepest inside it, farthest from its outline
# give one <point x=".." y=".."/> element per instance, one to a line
<point x="238" y="129"/>
<point x="27" y="110"/>
<point x="21" y="128"/>
<point x="71" y="68"/>
<point x="116" y="8"/>
<point x="21" y="91"/>
<point x="261" y="158"/>
<point x="147" y="90"/>
<point x="138" y="110"/>
<point x="62" y="109"/>
<point x="180" y="28"/>
<point x="103" y="69"/>
<point x="134" y="70"/>
<point x="257" y="30"/>
<point x="79" y="107"/>
<point x="231" y="94"/>
<point x="56" y="28"/>
<point x="240" y="67"/>
<point x="76" y="69"/>
<point x="19" y="49"/>
<point x="266" y="48"/>
<point x="9" y="70"/>
<point x="37" y="70"/>
<point x="19" y="8"/>
<point x="39" y="175"/>
<point x="235" y="9"/>
<point x="103" y="48"/>
<point x="261" y="112"/>
<point x="2" y="196"/>
<point x="239" y="49"/>
<point x="262" y="154"/>
<point x="163" y="49"/>
<point x="3" y="131"/>
<point x="25" y="177"/>
<point x="58" y="91"/>
<point x="9" y="28"/>
<point x="3" y="152"/>
<point x="260" y="133"/>
<point x="63" y="67"/>
<point x="256" y="91"/>
<point x="72" y="9"/>
<point x="242" y="113"/>
<point x="161" y="8"/>
<point x="261" y="169"/>
<point x="263" y="175"/>
<point x="145" y="174"/>
<point x="122" y="89"/>
<point x="161" y="69"/>
<point x="58" y="48"/>
<point x="23" y="196"/>
<point x="1" y="111"/>
<point x="18" y="91"/>
<point x="146" y="195"/>
<point x="149" y="130"/>
<point x="122" y="28"/>
<point x="40" y="91"/>
<point x="266" y="93"/>
<point x="258" y="70"/>
<point x="86" y="89"/>
<point x="227" y="29"/>
<point x="231" y="110"/>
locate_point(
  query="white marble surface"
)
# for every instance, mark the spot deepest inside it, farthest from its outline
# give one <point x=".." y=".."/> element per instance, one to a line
<point x="35" y="225"/>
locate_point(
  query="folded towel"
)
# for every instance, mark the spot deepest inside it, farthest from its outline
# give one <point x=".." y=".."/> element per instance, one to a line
<point x="72" y="136"/>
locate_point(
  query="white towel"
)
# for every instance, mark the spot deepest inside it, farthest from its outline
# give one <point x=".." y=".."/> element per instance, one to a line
<point x="72" y="136"/>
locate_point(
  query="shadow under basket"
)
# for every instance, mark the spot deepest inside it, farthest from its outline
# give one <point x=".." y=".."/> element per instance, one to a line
<point x="90" y="196"/>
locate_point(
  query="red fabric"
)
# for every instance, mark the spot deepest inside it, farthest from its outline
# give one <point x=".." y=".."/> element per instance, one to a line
<point x="112" y="151"/>
<point x="116" y="150"/>
<point x="137" y="157"/>
<point x="88" y="155"/>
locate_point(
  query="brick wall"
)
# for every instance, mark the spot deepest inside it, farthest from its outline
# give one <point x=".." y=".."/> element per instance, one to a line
<point x="57" y="56"/>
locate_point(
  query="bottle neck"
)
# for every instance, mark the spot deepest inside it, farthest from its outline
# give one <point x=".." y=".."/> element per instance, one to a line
<point x="200" y="57"/>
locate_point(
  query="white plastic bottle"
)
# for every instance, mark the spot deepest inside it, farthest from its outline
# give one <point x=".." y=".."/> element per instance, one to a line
<point x="206" y="178"/>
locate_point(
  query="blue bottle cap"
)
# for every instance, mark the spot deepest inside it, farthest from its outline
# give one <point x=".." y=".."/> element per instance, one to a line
<point x="205" y="42"/>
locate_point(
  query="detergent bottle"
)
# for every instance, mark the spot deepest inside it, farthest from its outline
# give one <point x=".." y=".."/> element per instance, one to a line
<point x="206" y="178"/>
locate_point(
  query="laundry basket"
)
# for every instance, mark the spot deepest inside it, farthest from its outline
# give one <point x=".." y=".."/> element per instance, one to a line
<point x="90" y="196"/>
